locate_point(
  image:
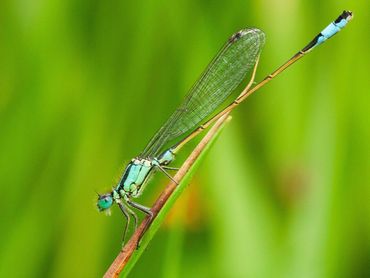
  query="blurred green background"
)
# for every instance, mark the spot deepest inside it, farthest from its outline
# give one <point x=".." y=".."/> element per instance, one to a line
<point x="84" y="85"/>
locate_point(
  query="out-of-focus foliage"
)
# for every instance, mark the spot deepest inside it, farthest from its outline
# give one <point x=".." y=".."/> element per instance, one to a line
<point x="84" y="84"/>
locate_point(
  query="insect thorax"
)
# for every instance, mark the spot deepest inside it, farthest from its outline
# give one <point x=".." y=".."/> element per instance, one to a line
<point x="134" y="177"/>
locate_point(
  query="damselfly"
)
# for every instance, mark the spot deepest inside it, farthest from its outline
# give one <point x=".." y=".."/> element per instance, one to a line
<point x="228" y="69"/>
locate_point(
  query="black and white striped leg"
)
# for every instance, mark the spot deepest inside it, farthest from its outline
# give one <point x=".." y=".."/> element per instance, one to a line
<point x="170" y="168"/>
<point x="167" y="174"/>
<point x="133" y="214"/>
<point x="127" y="216"/>
<point x="144" y="209"/>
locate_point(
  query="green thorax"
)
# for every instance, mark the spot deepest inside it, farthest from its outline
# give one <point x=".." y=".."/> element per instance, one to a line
<point x="138" y="171"/>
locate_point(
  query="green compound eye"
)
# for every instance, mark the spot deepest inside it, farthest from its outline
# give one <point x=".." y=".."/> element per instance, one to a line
<point x="104" y="202"/>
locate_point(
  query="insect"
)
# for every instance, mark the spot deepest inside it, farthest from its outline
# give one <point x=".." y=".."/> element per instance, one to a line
<point x="238" y="57"/>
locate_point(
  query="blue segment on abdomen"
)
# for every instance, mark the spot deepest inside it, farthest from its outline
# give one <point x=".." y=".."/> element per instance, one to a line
<point x="331" y="30"/>
<point x="342" y="23"/>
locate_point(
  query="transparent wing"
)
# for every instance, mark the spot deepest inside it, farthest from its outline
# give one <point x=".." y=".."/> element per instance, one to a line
<point x="226" y="71"/>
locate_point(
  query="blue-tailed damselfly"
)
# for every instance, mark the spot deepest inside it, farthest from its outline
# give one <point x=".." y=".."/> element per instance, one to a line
<point x="227" y="70"/>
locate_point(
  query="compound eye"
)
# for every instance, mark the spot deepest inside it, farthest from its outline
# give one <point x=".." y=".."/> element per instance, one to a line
<point x="104" y="202"/>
